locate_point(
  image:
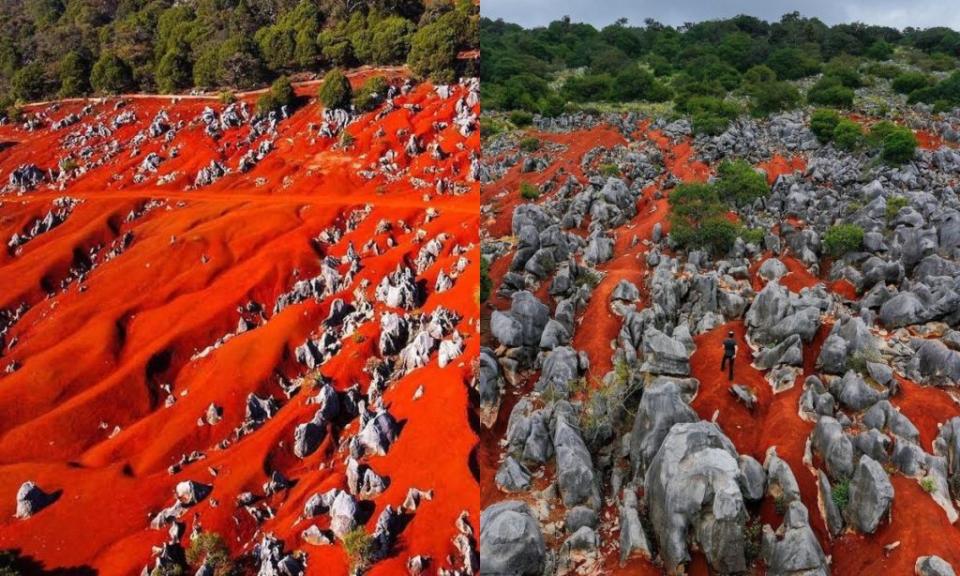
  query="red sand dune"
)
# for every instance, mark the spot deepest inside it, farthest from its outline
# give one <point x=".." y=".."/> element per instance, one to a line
<point x="94" y="359"/>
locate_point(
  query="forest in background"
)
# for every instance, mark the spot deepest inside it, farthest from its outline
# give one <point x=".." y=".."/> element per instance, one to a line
<point x="712" y="70"/>
<point x="67" y="48"/>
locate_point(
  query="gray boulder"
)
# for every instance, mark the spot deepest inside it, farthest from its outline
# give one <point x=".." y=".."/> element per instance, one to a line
<point x="664" y="355"/>
<point x="663" y="404"/>
<point x="512" y="476"/>
<point x="31" y="499"/>
<point x="510" y="541"/>
<point x="693" y="493"/>
<point x="871" y="496"/>
<point x="933" y="566"/>
<point x="794" y="549"/>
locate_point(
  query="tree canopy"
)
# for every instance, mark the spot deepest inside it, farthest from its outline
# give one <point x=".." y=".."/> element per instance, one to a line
<point x="52" y="48"/>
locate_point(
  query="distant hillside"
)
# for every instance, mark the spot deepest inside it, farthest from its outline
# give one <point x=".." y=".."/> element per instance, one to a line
<point x="51" y="48"/>
<point x="697" y="66"/>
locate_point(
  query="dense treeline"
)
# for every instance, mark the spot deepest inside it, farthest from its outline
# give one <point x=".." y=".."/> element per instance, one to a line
<point x="697" y="65"/>
<point x="68" y="48"/>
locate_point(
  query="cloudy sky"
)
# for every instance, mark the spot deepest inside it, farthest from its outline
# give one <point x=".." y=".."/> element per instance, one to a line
<point x="896" y="13"/>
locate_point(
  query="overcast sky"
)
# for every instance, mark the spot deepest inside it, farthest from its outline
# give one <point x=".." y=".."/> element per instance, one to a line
<point x="896" y="13"/>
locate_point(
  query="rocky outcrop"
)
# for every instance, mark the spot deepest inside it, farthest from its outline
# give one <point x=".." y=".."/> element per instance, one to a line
<point x="692" y="490"/>
<point x="511" y="543"/>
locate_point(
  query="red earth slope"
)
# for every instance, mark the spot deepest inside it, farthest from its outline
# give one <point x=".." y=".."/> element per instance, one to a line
<point x="84" y="412"/>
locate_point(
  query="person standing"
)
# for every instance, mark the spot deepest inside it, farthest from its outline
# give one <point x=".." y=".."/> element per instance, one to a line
<point x="729" y="353"/>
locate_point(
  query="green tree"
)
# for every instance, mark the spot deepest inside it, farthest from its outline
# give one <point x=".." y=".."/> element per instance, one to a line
<point x="74" y="75"/>
<point x="691" y="205"/>
<point x="738" y="183"/>
<point x="823" y="122"/>
<point x="792" y="64"/>
<point x="588" y="88"/>
<point x="111" y="75"/>
<point x="710" y="115"/>
<point x="767" y="97"/>
<point x="434" y="47"/>
<point x="239" y="64"/>
<point x="278" y="46"/>
<point x="830" y="91"/>
<point x="390" y="42"/>
<point x="907" y="82"/>
<point x="29" y="83"/>
<point x="174" y="71"/>
<point x="634" y="83"/>
<point x="335" y="92"/>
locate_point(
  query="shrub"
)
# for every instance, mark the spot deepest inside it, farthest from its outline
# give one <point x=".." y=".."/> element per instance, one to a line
<point x="907" y="82"/>
<point x="209" y="548"/>
<point x="823" y="122"/>
<point x="530" y="144"/>
<point x="945" y="93"/>
<point x="697" y="219"/>
<point x="711" y="115"/>
<point x="9" y="560"/>
<point x="528" y="191"/>
<point x="842" y="238"/>
<point x="894" y="205"/>
<point x="899" y="147"/>
<point x="830" y="91"/>
<point x="359" y="548"/>
<point x="610" y="170"/>
<point x="110" y="74"/>
<point x="879" y="50"/>
<point x="887" y="71"/>
<point x="588" y="88"/>
<point x="848" y="135"/>
<point x="521" y="118"/>
<point x="844" y="69"/>
<point x="928" y="484"/>
<point x="279" y="95"/>
<point x="634" y="83"/>
<point x="769" y="97"/>
<point x="840" y="493"/>
<point x="739" y="183"/>
<point x="335" y="91"/>
<point x="792" y="63"/>
<point x="879" y="132"/>
<point x="485" y="283"/>
<point x="718" y="235"/>
<point x="753" y="236"/>
<point x="370" y="94"/>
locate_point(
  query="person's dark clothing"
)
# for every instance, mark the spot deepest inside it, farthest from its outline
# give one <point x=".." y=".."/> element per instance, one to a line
<point x="729" y="352"/>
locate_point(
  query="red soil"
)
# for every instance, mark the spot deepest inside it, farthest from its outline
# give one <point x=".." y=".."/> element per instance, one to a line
<point x="779" y="165"/>
<point x="98" y="355"/>
<point x="928" y="140"/>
